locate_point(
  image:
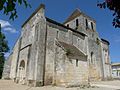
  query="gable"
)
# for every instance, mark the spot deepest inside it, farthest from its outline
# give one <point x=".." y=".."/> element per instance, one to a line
<point x="75" y="14"/>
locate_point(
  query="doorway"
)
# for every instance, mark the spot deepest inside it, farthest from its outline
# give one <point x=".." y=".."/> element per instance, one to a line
<point x="22" y="72"/>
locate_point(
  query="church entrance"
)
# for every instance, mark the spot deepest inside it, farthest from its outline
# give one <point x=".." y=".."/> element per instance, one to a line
<point x="22" y="72"/>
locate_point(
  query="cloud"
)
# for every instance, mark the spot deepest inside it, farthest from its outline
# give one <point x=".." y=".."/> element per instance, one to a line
<point x="7" y="55"/>
<point x="4" y="23"/>
<point x="6" y="26"/>
<point x="12" y="30"/>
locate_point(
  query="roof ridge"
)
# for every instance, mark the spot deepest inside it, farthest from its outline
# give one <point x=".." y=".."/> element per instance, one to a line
<point x="73" y="15"/>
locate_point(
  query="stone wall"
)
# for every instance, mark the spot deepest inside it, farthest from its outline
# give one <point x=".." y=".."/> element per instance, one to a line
<point x="14" y="61"/>
<point x="7" y="66"/>
<point x="106" y="61"/>
<point x="68" y="71"/>
<point x="76" y="72"/>
<point x="23" y="56"/>
<point x="82" y="23"/>
<point x="95" y="60"/>
<point x="37" y="56"/>
<point x="58" y="63"/>
<point x="50" y="55"/>
<point x="93" y="42"/>
<point x="32" y="50"/>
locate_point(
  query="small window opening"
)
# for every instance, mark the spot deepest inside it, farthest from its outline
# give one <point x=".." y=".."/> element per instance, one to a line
<point x="77" y="23"/>
<point x="91" y="57"/>
<point x="92" y="25"/>
<point x="67" y="25"/>
<point x="86" y="23"/>
<point x="76" y="62"/>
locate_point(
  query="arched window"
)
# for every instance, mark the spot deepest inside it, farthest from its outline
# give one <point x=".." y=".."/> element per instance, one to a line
<point x="92" y="25"/>
<point x="77" y="23"/>
<point x="76" y="62"/>
<point x="86" y="21"/>
<point x="22" y="64"/>
<point x="67" y="25"/>
<point x="22" y="72"/>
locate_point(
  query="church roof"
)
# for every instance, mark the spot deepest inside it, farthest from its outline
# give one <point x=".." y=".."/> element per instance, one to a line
<point x="73" y="52"/>
<point x="75" y="14"/>
<point x="105" y="41"/>
<point x="41" y="6"/>
<point x="59" y="24"/>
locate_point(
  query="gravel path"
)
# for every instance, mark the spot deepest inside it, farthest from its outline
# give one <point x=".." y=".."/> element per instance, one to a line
<point x="108" y="84"/>
<point x="10" y="85"/>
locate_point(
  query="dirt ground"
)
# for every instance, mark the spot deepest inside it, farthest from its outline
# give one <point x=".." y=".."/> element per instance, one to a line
<point x="10" y="85"/>
<point x="115" y="84"/>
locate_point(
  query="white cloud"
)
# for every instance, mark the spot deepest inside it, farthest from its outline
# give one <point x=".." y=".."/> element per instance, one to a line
<point x="4" y="23"/>
<point x="6" y="26"/>
<point x="9" y="29"/>
<point x="7" y="55"/>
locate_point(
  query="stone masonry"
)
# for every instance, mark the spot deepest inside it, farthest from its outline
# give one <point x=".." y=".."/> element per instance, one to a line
<point x="51" y="53"/>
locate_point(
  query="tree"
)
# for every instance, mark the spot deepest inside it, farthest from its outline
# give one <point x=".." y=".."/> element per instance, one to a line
<point x="3" y="49"/>
<point x="114" y="6"/>
<point x="9" y="7"/>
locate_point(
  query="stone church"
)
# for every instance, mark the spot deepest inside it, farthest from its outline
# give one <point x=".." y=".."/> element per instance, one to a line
<point x="50" y="53"/>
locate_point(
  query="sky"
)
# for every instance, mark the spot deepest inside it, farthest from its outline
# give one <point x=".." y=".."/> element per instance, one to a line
<point x="59" y="10"/>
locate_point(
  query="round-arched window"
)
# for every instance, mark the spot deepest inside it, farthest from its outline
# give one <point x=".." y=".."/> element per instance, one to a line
<point x="22" y="64"/>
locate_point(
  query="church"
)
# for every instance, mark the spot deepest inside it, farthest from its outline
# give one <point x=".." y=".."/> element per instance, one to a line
<point x="63" y="54"/>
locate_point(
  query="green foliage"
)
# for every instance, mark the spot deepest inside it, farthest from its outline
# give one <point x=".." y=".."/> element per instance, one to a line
<point x="114" y="6"/>
<point x="2" y="59"/>
<point x="3" y="49"/>
<point x="9" y="7"/>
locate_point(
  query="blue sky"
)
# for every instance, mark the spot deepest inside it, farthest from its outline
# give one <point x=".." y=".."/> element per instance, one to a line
<point x="59" y="10"/>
